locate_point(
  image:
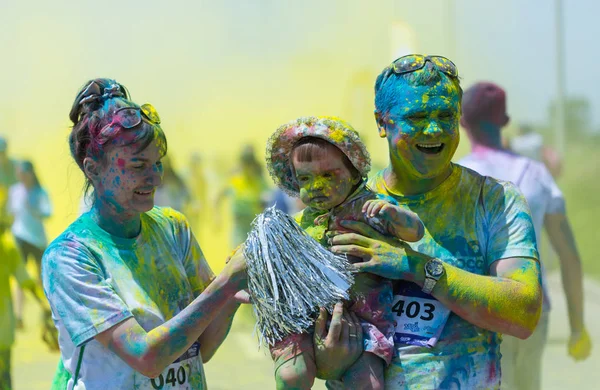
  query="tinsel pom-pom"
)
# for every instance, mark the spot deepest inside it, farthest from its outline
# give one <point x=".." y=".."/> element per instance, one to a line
<point x="290" y="275"/>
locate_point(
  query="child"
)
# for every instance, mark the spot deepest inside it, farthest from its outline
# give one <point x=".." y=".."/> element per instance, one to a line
<point x="323" y="161"/>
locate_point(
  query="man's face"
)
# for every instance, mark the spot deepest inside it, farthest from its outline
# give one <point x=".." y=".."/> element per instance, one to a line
<point x="422" y="131"/>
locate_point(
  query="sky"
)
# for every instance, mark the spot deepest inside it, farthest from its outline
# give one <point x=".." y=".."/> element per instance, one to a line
<point x="227" y="72"/>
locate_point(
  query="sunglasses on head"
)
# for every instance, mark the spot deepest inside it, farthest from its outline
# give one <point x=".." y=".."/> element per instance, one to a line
<point x="130" y="117"/>
<point x="413" y="62"/>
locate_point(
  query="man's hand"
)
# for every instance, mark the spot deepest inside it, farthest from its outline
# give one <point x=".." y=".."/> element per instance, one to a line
<point x="383" y="256"/>
<point x="580" y="345"/>
<point x="341" y="346"/>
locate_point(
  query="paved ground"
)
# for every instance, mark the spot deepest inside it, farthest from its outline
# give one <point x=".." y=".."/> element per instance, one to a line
<point x="239" y="364"/>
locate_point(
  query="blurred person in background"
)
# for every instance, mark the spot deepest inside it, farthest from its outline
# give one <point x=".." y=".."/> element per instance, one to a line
<point x="283" y="202"/>
<point x="11" y="265"/>
<point x="198" y="210"/>
<point x="133" y="298"/>
<point x="530" y="144"/>
<point x="29" y="205"/>
<point x="7" y="179"/>
<point x="247" y="190"/>
<point x="484" y="116"/>
<point x="172" y="192"/>
<point x="7" y="166"/>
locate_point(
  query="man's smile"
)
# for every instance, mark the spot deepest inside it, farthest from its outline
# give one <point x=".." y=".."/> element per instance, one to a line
<point x="431" y="148"/>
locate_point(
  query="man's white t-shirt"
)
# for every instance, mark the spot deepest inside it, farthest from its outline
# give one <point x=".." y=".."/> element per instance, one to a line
<point x="94" y="280"/>
<point x="533" y="179"/>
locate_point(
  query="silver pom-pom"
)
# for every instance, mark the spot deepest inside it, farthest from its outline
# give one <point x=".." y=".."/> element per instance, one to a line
<point x="290" y="275"/>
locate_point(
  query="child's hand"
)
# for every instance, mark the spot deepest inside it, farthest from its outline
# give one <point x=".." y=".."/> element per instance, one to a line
<point x="375" y="207"/>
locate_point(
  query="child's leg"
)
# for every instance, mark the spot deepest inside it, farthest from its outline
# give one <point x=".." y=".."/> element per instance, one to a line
<point x="365" y="373"/>
<point x="294" y="359"/>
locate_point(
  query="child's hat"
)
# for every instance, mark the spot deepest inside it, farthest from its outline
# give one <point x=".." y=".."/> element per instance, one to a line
<point x="331" y="129"/>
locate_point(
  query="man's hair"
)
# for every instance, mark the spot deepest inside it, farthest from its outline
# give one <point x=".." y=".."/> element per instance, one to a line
<point x="484" y="102"/>
<point x="387" y="82"/>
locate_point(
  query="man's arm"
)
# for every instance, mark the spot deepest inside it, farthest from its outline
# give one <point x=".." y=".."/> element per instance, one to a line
<point x="563" y="242"/>
<point x="508" y="301"/>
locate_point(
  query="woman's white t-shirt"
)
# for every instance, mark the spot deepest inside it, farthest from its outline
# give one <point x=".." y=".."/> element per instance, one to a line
<point x="94" y="280"/>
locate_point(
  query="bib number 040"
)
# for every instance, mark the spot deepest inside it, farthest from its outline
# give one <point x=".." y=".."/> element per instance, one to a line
<point x="414" y="309"/>
<point x="173" y="378"/>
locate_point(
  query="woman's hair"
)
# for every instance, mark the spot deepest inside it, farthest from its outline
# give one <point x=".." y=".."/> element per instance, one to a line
<point x="386" y="95"/>
<point x="93" y="109"/>
<point x="309" y="148"/>
<point x="27" y="166"/>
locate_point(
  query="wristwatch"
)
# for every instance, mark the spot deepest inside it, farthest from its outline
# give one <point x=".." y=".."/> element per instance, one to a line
<point x="434" y="269"/>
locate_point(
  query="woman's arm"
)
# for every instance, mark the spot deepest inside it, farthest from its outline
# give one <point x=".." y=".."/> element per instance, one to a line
<point x="507" y="301"/>
<point x="151" y="352"/>
<point x="215" y="333"/>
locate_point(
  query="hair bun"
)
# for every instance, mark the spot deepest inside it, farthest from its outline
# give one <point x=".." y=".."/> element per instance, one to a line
<point x="93" y="95"/>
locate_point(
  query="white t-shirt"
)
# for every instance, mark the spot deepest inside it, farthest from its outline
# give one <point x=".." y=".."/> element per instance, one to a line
<point x="528" y="145"/>
<point x="94" y="280"/>
<point x="470" y="222"/>
<point x="533" y="179"/>
<point x="29" y="208"/>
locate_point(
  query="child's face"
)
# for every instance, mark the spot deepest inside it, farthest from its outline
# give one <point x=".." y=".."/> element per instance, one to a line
<point x="324" y="182"/>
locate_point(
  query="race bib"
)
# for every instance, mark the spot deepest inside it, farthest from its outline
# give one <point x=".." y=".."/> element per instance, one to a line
<point x="419" y="317"/>
<point x="183" y="374"/>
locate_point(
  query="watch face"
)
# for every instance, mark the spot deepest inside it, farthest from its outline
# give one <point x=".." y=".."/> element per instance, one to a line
<point x="434" y="268"/>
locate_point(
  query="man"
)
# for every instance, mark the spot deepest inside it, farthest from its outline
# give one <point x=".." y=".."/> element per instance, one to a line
<point x="530" y="144"/>
<point x="475" y="274"/>
<point x="484" y="116"/>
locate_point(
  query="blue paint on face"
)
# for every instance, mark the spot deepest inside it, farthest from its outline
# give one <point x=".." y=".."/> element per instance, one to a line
<point x="126" y="186"/>
<point x="422" y="130"/>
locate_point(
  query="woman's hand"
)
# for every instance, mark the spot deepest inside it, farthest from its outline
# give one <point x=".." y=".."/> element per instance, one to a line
<point x="236" y="268"/>
<point x="341" y="346"/>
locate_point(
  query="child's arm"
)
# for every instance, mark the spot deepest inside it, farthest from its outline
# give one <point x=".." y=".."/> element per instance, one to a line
<point x="399" y="222"/>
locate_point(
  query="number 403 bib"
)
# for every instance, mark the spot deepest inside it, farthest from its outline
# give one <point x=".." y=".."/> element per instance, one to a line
<point x="419" y="317"/>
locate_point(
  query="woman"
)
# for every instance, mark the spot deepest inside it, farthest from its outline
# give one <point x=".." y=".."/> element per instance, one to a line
<point x="134" y="300"/>
<point x="29" y="205"/>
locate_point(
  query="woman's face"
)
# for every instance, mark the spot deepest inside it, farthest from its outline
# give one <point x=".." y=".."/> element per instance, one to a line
<point x="128" y="177"/>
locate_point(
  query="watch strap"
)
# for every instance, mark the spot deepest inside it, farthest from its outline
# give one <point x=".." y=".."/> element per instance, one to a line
<point x="428" y="285"/>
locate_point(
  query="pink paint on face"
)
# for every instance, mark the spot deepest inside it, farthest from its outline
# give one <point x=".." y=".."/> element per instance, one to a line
<point x="121" y="163"/>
